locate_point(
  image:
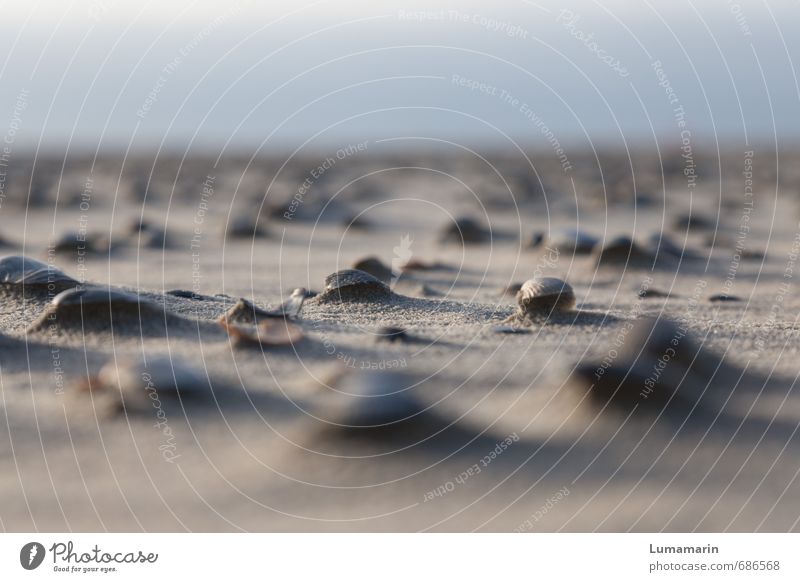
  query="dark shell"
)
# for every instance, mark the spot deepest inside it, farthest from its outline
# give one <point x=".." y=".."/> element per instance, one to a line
<point x="245" y="227"/>
<point x="694" y="221"/>
<point x="152" y="238"/>
<point x="723" y="297"/>
<point x="623" y="252"/>
<point x="393" y="334"/>
<point x="375" y="267"/>
<point x="18" y="270"/>
<point x="652" y="293"/>
<point x="573" y="242"/>
<point x="356" y="222"/>
<point x="353" y="285"/>
<point x="79" y="244"/>
<point x="420" y="265"/>
<point x="464" y="230"/>
<point x="661" y="244"/>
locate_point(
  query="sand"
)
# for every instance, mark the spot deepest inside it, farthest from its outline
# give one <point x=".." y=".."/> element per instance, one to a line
<point x="523" y="447"/>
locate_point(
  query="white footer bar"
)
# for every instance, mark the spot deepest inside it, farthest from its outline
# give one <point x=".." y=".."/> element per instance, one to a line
<point x="401" y="557"/>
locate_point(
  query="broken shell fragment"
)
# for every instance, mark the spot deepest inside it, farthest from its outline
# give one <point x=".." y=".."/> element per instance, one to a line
<point x="245" y="311"/>
<point x="353" y="285"/>
<point x="269" y="333"/>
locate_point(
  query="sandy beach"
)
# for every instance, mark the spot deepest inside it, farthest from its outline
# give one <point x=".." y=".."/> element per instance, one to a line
<point x="145" y="414"/>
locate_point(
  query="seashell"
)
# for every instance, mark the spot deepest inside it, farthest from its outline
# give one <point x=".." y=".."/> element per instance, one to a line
<point x="269" y="333"/>
<point x="650" y="293"/>
<point x="624" y="252"/>
<point x="723" y="297"/>
<point x="464" y="230"/>
<point x="18" y="271"/>
<point x="97" y="297"/>
<point x="245" y="226"/>
<point x="694" y="221"/>
<point x="374" y="267"/>
<point x="660" y="243"/>
<point x="420" y="265"/>
<point x="543" y="296"/>
<point x="356" y="222"/>
<point x="573" y="242"/>
<point x="104" y="309"/>
<point x="752" y="255"/>
<point x="353" y="285"/>
<point x="147" y="235"/>
<point x="80" y="244"/>
<point x="245" y="311"/>
<point x="139" y="386"/>
<point x="512" y="289"/>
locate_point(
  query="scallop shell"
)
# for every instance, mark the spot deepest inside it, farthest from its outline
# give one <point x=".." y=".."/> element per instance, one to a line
<point x="544" y="295"/>
<point x="269" y="333"/>
<point x="22" y="271"/>
<point x="353" y="285"/>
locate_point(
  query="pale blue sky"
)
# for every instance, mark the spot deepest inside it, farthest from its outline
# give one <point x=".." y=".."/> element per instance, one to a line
<point x="335" y="72"/>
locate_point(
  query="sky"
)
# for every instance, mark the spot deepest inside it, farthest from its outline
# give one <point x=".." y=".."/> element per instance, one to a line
<point x="104" y="74"/>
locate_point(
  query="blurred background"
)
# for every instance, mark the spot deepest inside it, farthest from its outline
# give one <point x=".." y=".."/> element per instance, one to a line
<point x="202" y="75"/>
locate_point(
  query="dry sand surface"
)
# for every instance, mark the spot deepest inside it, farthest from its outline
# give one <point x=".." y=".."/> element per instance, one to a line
<point x="493" y="431"/>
